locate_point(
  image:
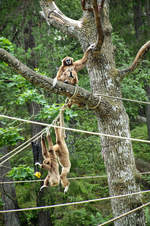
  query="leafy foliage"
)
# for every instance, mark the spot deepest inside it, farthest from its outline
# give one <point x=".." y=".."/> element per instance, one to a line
<point x="42" y="48"/>
<point x="22" y="173"/>
<point x="134" y="84"/>
<point x="6" y="44"/>
<point x="141" y="150"/>
<point x="10" y="136"/>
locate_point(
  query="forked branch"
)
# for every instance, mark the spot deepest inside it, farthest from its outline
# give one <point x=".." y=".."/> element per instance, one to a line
<point x="136" y="61"/>
<point x="55" y="17"/>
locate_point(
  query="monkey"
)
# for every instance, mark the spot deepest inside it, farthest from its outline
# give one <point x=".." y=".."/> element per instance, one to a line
<point x="63" y="158"/>
<point x="67" y="72"/>
<point x="69" y="75"/>
<point x="50" y="163"/>
<point x="62" y="153"/>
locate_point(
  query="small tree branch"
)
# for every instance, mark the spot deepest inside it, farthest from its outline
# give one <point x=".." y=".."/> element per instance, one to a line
<point x="97" y="14"/>
<point x="136" y="61"/>
<point x="82" y="97"/>
<point x="55" y="17"/>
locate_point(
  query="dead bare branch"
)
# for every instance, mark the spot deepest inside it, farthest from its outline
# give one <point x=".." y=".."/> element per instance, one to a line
<point x="55" y="17"/>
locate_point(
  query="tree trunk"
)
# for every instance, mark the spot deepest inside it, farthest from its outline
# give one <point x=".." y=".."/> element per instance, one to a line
<point x="118" y="154"/>
<point x="8" y="195"/>
<point x="137" y="9"/>
<point x="111" y="115"/>
<point x="148" y="111"/>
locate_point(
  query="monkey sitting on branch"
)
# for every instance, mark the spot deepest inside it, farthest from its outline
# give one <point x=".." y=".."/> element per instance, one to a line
<point x="67" y="72"/>
<point x="50" y="163"/>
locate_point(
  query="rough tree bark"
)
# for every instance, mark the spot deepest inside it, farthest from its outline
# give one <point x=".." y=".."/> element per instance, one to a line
<point x="104" y="79"/>
<point x="148" y="110"/>
<point x="8" y="195"/>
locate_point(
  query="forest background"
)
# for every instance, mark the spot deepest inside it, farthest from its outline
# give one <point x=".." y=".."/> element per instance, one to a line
<point x="23" y="32"/>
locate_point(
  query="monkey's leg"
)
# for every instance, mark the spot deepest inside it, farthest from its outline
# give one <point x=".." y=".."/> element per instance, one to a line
<point x="64" y="181"/>
<point x="50" y="143"/>
<point x="46" y="181"/>
<point x="55" y="81"/>
<point x="62" y="124"/>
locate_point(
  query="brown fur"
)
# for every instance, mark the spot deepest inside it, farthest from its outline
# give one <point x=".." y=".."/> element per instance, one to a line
<point x="50" y="163"/>
<point x="62" y="152"/>
<point x="63" y="157"/>
<point x="63" y="73"/>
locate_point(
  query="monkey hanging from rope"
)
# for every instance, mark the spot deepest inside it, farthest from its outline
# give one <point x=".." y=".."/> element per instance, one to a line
<point x="58" y="151"/>
<point x="67" y="72"/>
<point x="62" y="152"/>
<point x="50" y="163"/>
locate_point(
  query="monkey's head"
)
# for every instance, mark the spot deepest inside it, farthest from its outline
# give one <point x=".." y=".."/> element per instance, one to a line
<point x="67" y="61"/>
<point x="47" y="162"/>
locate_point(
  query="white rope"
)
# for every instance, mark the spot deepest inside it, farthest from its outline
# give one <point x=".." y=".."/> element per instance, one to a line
<point x="71" y="178"/>
<point x="120" y="98"/>
<point x="77" y="130"/>
<point x="40" y="180"/>
<point x="21" y="145"/>
<point x="36" y="137"/>
<point x="125" y="214"/>
<point x="74" y="203"/>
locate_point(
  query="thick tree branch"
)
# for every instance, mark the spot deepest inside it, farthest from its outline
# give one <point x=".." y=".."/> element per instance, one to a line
<point x="82" y="97"/>
<point x="136" y="61"/>
<point x="97" y="14"/>
<point x="55" y="17"/>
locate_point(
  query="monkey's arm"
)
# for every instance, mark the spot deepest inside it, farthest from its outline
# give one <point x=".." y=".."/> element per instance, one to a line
<point x="46" y="181"/>
<point x="44" y="149"/>
<point x="59" y="73"/>
<point x="79" y="64"/>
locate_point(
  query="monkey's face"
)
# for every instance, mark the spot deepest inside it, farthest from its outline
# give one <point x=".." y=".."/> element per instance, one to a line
<point x="47" y="161"/>
<point x="67" y="61"/>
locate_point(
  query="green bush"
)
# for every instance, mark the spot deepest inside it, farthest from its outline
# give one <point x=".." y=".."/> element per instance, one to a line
<point x="22" y="173"/>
